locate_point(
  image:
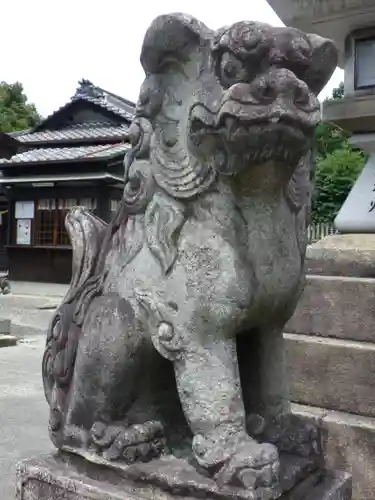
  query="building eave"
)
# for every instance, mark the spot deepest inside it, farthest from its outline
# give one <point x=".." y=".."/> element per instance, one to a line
<point x="90" y="176"/>
<point x="109" y="154"/>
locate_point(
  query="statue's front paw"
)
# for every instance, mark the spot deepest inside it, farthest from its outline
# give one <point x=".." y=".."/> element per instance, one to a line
<point x="253" y="465"/>
<point x="129" y="444"/>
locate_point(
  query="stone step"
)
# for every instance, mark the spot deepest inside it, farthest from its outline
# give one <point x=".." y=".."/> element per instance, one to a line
<point x="334" y="306"/>
<point x="348" y="445"/>
<point x="7" y="340"/>
<point x="342" y="255"/>
<point x="331" y="373"/>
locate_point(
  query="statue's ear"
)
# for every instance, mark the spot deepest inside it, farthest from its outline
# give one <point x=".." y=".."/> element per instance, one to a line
<point x="323" y="63"/>
<point x="172" y="36"/>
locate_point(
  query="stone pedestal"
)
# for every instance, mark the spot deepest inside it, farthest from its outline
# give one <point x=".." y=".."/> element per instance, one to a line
<point x="331" y="353"/>
<point x="6" y="339"/>
<point x="67" y="477"/>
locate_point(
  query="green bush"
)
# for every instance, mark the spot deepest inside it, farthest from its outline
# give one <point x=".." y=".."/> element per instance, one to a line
<point x="335" y="175"/>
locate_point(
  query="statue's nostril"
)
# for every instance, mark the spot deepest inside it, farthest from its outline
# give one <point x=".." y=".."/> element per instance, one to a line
<point x="266" y="91"/>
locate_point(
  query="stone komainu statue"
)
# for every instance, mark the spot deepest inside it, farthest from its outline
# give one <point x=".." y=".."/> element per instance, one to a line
<point x="169" y="340"/>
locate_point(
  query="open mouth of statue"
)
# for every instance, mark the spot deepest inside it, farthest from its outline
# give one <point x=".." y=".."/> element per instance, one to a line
<point x="256" y="140"/>
<point x="232" y="125"/>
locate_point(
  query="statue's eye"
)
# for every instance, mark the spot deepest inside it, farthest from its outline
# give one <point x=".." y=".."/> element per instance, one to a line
<point x="231" y="69"/>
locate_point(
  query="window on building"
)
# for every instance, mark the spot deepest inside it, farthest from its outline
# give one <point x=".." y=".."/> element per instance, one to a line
<point x="45" y="221"/>
<point x="365" y="63"/>
<point x="115" y="204"/>
<point x="50" y="219"/>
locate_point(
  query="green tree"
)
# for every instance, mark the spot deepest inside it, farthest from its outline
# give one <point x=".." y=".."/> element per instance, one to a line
<point x="334" y="178"/>
<point x="329" y="137"/>
<point x="337" y="168"/>
<point x="16" y="113"/>
<point x="338" y="92"/>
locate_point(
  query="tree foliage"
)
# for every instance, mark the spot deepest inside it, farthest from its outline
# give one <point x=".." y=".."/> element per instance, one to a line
<point x="338" y="93"/>
<point x="335" y="176"/>
<point x="16" y="113"/>
<point x="337" y="168"/>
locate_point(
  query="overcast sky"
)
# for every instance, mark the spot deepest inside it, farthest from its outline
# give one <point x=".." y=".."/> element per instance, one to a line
<point x="50" y="45"/>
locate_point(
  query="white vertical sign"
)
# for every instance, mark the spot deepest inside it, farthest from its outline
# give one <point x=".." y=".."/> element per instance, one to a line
<point x="23" y="232"/>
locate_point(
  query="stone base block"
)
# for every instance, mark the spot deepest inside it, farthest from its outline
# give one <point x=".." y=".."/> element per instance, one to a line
<point x="7" y="340"/>
<point x="343" y="255"/>
<point x="331" y="373"/>
<point x="67" y="477"/>
<point x="349" y="445"/>
<point x="336" y="306"/>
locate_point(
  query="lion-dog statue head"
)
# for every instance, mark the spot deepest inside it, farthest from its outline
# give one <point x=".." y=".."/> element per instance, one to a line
<point x="218" y="103"/>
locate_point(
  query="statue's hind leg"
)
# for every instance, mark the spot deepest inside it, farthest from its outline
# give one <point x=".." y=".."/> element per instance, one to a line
<point x="208" y="383"/>
<point x="264" y="381"/>
<point x="108" y="367"/>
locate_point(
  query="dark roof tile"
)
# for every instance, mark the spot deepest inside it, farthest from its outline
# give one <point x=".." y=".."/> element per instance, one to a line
<point x="75" y="133"/>
<point x="68" y="154"/>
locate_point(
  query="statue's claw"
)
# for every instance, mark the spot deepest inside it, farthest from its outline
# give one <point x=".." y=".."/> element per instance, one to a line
<point x="128" y="444"/>
<point x="253" y="465"/>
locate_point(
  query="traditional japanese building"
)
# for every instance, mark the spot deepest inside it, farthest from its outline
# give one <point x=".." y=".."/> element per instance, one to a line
<point x="73" y="157"/>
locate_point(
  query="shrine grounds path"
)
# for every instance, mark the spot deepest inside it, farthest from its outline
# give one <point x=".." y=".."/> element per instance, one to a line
<point x="23" y="409"/>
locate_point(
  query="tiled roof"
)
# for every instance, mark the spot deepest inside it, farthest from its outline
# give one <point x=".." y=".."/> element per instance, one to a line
<point x="68" y="154"/>
<point x="84" y="131"/>
<point x="109" y="103"/>
<point x="90" y="92"/>
<point x="96" y="95"/>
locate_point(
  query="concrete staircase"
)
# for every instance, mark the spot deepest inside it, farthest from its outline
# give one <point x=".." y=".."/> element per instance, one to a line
<point x="330" y="345"/>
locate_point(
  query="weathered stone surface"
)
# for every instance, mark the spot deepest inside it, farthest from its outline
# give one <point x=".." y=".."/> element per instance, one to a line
<point x="349" y="445"/>
<point x="61" y="477"/>
<point x="170" y="338"/>
<point x="330" y="373"/>
<point x="351" y="255"/>
<point x="335" y="306"/>
<point x="338" y="486"/>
